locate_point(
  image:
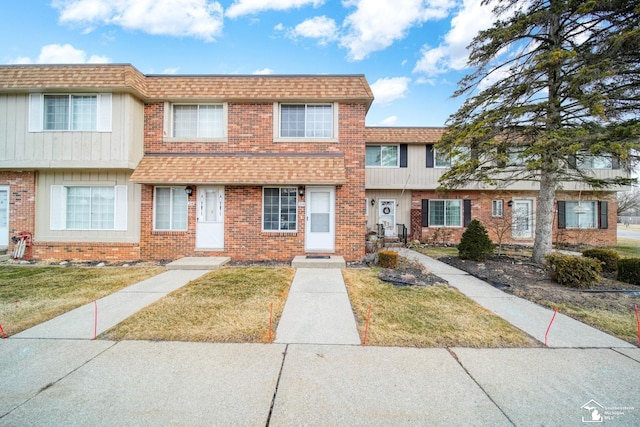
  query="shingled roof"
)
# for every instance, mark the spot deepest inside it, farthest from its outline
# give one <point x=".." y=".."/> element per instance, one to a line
<point x="403" y="135"/>
<point x="241" y="169"/>
<point x="124" y="77"/>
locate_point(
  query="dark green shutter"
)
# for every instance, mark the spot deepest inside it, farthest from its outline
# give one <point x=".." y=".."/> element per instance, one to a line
<point x="425" y="212"/>
<point x="429" y="156"/>
<point x="403" y="155"/>
<point x="603" y="208"/>
<point x="466" y="212"/>
<point x="562" y="215"/>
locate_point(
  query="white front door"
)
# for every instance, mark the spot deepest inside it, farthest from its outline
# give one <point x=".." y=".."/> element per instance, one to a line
<point x="210" y="218"/>
<point x="522" y="227"/>
<point x="4" y="217"/>
<point x="321" y="222"/>
<point x="387" y="216"/>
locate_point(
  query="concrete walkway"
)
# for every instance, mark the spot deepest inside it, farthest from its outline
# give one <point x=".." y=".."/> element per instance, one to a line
<point x="112" y="309"/>
<point x="317" y="310"/>
<point x="525" y="315"/>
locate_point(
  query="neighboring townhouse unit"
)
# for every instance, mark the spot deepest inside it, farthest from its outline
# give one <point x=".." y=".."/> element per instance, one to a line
<point x="104" y="162"/>
<point x="402" y="172"/>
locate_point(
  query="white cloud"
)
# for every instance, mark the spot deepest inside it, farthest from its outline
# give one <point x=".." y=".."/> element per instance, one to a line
<point x="377" y="24"/>
<point x="62" y="54"/>
<point x="263" y="71"/>
<point x="452" y="53"/>
<point x="185" y="18"/>
<point x="172" y="70"/>
<point x="322" y="28"/>
<point x="389" y="89"/>
<point x="248" y="7"/>
<point x="389" y="121"/>
<point x="279" y="27"/>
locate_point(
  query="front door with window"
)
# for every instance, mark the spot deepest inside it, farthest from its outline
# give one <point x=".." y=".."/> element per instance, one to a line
<point x="387" y="216"/>
<point x="210" y="218"/>
<point x="321" y="223"/>
<point x="522" y="219"/>
<point x="4" y="217"/>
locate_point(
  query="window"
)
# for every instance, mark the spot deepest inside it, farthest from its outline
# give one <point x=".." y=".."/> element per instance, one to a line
<point x="497" y="208"/>
<point x="382" y="156"/>
<point x="594" y="162"/>
<point x="83" y="207"/>
<point x="581" y="214"/>
<point x="306" y="121"/>
<point x="280" y="209"/>
<point x="198" y="121"/>
<point x="445" y="213"/>
<point x="64" y="112"/>
<point x="170" y="208"/>
<point x="445" y="160"/>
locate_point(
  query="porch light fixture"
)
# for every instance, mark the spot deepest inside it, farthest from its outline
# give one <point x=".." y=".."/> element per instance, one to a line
<point x="373" y="202"/>
<point x="510" y="203"/>
<point x="301" y="191"/>
<point x="188" y="190"/>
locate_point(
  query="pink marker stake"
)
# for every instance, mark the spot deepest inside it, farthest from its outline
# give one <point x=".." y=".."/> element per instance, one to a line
<point x="4" y="336"/>
<point x="95" y="320"/>
<point x="638" y="322"/>
<point x="549" y="327"/>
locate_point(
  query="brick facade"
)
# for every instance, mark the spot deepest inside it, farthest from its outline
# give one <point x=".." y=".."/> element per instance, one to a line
<point x="481" y="209"/>
<point x="22" y="202"/>
<point x="250" y="130"/>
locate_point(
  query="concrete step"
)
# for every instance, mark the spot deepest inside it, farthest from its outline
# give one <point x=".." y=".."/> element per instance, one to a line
<point x="198" y="263"/>
<point x="318" y="261"/>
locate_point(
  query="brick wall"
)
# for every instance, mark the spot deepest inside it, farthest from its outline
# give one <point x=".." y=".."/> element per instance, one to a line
<point x="481" y="209"/>
<point x="82" y="251"/>
<point x="250" y="130"/>
<point x="22" y="204"/>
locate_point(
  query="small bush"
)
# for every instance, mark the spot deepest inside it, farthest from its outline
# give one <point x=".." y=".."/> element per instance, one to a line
<point x="387" y="259"/>
<point x="608" y="257"/>
<point x="629" y="270"/>
<point x="574" y="271"/>
<point x="475" y="243"/>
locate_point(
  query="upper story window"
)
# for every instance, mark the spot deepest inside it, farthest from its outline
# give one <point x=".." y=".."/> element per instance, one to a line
<point x="198" y="121"/>
<point x="70" y="112"/>
<point x="382" y="156"/>
<point x="307" y="121"/>
<point x="594" y="162"/>
<point x="444" y="159"/>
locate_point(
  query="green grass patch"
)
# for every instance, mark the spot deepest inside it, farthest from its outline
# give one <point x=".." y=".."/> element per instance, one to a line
<point x="32" y="295"/>
<point x="227" y="305"/>
<point x="437" y="251"/>
<point x="619" y="324"/>
<point x="435" y="316"/>
<point x="628" y="248"/>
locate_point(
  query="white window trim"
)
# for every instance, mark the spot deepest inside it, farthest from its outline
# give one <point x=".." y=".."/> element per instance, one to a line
<point x="495" y="214"/>
<point x="264" y="230"/>
<point x="155" y="198"/>
<point x="445" y="213"/>
<point x="167" y="131"/>
<point x="103" y="112"/>
<point x="58" y="207"/>
<point x="396" y="166"/>
<point x="277" y="121"/>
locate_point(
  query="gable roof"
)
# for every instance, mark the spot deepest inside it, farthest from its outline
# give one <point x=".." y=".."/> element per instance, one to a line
<point x="242" y="88"/>
<point x="403" y="135"/>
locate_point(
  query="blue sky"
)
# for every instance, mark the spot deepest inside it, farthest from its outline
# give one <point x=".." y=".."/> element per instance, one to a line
<point x="412" y="52"/>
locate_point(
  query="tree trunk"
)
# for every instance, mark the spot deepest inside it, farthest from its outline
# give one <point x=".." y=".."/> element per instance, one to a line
<point x="542" y="244"/>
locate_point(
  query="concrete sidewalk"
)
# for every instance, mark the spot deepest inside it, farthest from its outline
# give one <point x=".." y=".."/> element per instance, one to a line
<point x="112" y="309"/>
<point x="525" y="315"/>
<point x="317" y="310"/>
<point x="103" y="383"/>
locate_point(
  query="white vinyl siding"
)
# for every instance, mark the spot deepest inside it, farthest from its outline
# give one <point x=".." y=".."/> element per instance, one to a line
<point x="170" y="208"/>
<point x="279" y="209"/>
<point x="445" y="213"/>
<point x="382" y="156"/>
<point x="64" y="112"/>
<point x="88" y="208"/>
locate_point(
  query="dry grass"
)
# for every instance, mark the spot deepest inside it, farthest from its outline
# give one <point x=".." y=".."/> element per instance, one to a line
<point x="227" y="305"/>
<point x="32" y="295"/>
<point x="436" y="316"/>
